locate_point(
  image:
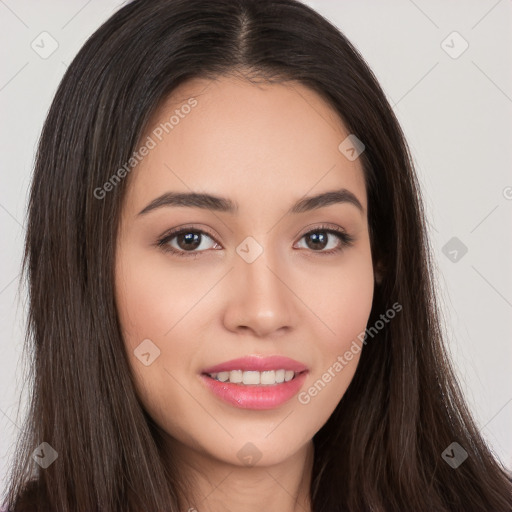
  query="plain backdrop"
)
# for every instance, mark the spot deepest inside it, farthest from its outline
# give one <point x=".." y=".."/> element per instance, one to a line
<point x="445" y="67"/>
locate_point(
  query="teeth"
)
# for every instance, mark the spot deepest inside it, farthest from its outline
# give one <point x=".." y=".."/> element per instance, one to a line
<point x="266" y="378"/>
<point x="223" y="376"/>
<point x="251" y="377"/>
<point x="235" y="376"/>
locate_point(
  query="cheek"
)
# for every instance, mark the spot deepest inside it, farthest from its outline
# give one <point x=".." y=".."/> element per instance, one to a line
<point x="341" y="297"/>
<point x="152" y="305"/>
<point x="342" y="300"/>
<point x="151" y="300"/>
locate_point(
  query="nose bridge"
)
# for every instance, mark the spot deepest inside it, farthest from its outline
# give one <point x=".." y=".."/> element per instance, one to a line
<point x="260" y="300"/>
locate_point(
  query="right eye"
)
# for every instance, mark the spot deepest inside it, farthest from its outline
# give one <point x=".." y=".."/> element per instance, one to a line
<point x="185" y="241"/>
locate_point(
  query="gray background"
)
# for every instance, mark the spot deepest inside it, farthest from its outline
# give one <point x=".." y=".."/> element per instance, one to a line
<point x="455" y="111"/>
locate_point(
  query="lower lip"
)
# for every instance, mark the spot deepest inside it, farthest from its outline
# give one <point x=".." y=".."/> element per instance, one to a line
<point x="253" y="396"/>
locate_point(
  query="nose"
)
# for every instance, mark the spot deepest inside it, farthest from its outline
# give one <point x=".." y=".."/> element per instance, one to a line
<point x="261" y="298"/>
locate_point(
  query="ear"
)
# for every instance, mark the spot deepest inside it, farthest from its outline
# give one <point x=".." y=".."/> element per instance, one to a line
<point x="378" y="272"/>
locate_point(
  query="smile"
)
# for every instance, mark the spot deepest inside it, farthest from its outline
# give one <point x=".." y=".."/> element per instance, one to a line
<point x="252" y="378"/>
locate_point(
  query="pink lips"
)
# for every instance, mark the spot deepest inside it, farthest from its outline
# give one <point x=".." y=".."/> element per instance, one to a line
<point x="258" y="364"/>
<point x="256" y="396"/>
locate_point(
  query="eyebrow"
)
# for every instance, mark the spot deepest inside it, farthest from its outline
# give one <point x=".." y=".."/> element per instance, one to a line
<point x="222" y="204"/>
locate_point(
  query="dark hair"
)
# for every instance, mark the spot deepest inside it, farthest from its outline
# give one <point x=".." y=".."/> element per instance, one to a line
<point x="381" y="448"/>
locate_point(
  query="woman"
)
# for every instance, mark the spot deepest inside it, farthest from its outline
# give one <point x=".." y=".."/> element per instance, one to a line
<point x="295" y="360"/>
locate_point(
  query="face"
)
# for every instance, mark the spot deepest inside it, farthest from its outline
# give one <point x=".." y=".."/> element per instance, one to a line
<point x="261" y="272"/>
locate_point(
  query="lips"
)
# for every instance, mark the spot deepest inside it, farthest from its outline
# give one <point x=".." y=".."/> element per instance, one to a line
<point x="258" y="364"/>
<point x="255" y="396"/>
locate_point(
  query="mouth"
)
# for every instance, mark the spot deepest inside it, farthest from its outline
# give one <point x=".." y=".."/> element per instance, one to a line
<point x="256" y="370"/>
<point x="255" y="378"/>
<point x="256" y="382"/>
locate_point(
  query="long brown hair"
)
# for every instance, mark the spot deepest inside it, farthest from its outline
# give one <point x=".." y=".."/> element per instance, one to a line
<point x="382" y="447"/>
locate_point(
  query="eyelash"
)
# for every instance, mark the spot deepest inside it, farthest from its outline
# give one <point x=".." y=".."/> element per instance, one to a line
<point x="345" y="239"/>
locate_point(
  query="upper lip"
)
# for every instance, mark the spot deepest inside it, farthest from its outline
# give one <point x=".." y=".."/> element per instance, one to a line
<point x="258" y="363"/>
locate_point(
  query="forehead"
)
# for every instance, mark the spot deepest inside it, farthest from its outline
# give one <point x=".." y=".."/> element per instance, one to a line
<point x="253" y="142"/>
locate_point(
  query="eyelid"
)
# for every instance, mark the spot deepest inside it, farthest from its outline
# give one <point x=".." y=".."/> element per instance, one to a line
<point x="322" y="226"/>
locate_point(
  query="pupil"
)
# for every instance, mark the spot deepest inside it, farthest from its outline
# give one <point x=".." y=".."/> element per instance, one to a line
<point x="191" y="239"/>
<point x="318" y="239"/>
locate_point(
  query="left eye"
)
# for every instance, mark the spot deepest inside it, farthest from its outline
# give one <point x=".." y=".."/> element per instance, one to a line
<point x="186" y="242"/>
<point x="318" y="240"/>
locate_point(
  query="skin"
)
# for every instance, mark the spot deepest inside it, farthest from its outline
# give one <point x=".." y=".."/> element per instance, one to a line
<point x="265" y="147"/>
